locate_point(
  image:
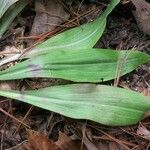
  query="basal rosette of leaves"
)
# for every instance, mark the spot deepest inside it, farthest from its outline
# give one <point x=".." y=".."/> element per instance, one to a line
<point x="71" y="56"/>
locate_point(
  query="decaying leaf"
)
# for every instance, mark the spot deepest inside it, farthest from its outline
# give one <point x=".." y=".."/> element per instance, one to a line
<point x="66" y="143"/>
<point x="142" y="14"/>
<point x="37" y="141"/>
<point x="49" y="14"/>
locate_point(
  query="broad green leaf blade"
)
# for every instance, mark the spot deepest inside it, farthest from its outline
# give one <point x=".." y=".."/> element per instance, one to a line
<point x="87" y="65"/>
<point x="81" y="37"/>
<point x="103" y="104"/>
<point x="4" y="5"/>
<point x="10" y="15"/>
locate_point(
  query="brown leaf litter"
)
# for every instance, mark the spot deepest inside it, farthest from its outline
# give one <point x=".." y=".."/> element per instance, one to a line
<point x="38" y="141"/>
<point x="142" y="14"/>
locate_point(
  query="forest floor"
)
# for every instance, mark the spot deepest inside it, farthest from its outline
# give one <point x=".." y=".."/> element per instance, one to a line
<point x="51" y="130"/>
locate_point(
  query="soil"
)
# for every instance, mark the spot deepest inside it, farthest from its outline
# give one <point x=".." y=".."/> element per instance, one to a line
<point x="122" y="32"/>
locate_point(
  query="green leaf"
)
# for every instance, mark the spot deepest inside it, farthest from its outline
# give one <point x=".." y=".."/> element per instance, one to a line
<point x="10" y="15"/>
<point x="81" y="37"/>
<point x="103" y="104"/>
<point x="87" y="65"/>
<point x="5" y="4"/>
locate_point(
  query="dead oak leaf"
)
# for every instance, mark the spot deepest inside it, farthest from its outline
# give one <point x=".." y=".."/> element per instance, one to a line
<point x="39" y="141"/>
<point x="66" y="143"/>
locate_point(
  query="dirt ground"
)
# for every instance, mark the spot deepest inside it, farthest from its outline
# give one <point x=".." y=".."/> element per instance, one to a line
<point x="122" y="32"/>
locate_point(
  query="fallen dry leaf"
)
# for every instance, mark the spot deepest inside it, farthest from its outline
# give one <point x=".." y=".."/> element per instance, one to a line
<point x="66" y="143"/>
<point x="49" y="14"/>
<point x="39" y="141"/>
<point x="142" y="14"/>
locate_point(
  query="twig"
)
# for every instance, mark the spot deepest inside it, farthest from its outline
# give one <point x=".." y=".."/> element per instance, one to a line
<point x="84" y="134"/>
<point x="15" y="147"/>
<point x="25" y="117"/>
<point x="112" y="138"/>
<point x="109" y="139"/>
<point x="17" y="120"/>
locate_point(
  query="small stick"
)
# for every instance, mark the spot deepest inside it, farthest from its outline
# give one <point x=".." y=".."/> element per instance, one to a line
<point x="25" y="117"/>
<point x="17" y="120"/>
